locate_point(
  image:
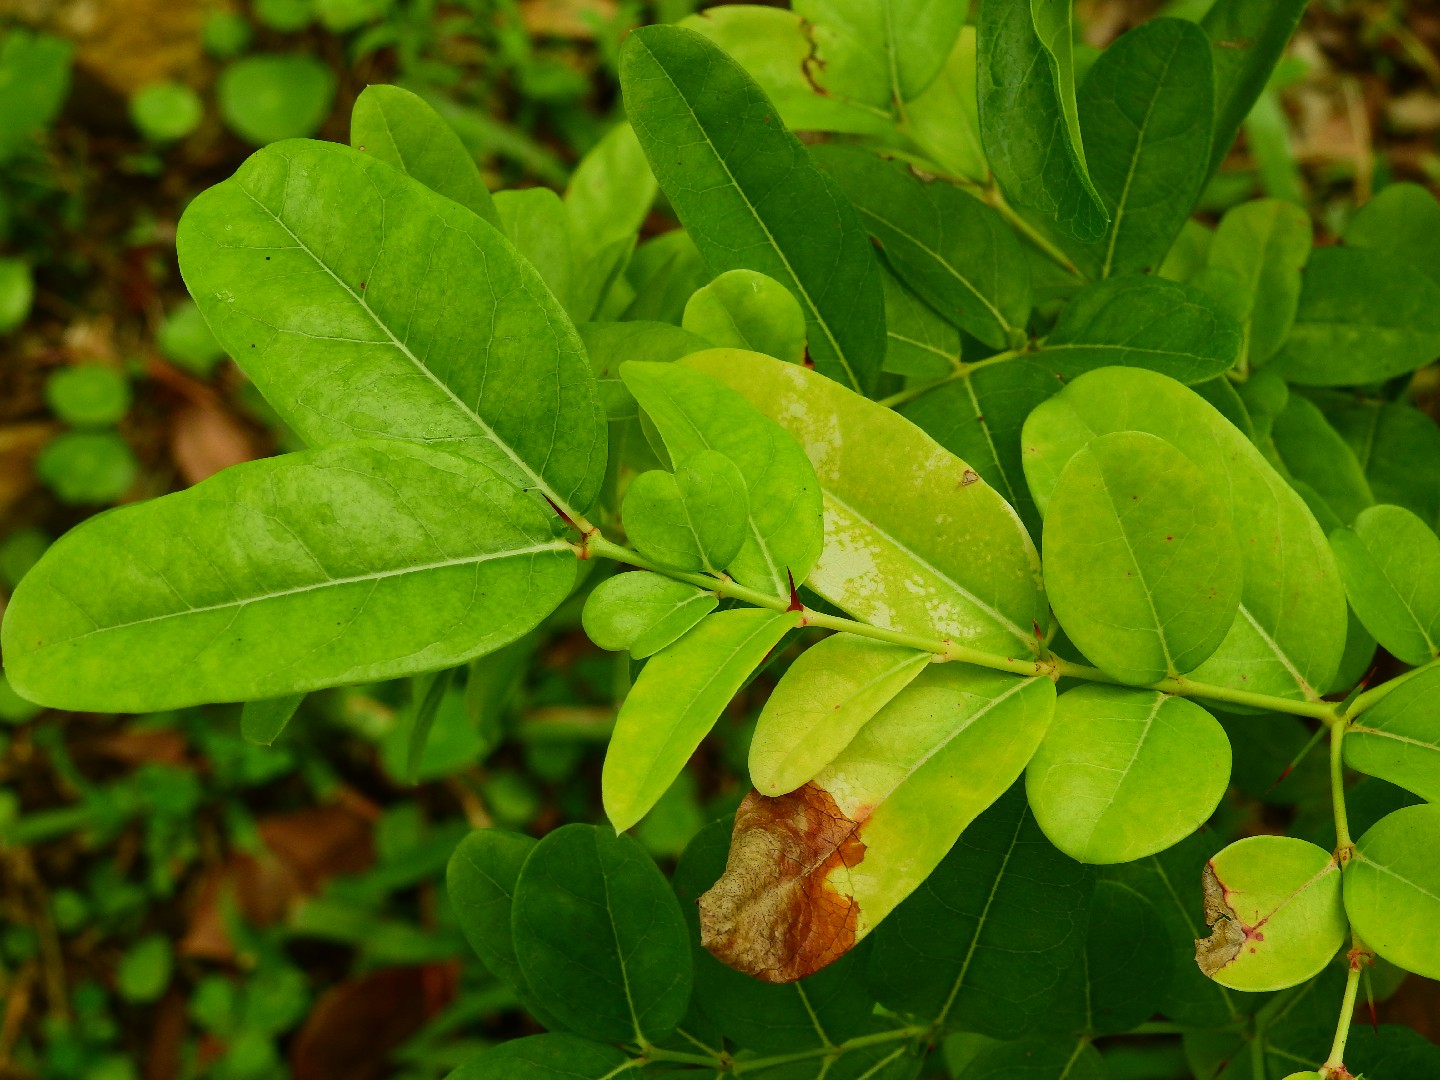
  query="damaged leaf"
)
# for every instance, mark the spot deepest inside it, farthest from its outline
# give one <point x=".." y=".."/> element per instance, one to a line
<point x="812" y="872"/>
<point x="1274" y="911"/>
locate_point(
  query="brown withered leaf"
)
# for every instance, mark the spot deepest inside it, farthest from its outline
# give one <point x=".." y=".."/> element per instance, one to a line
<point x="782" y="909"/>
<point x="205" y="438"/>
<point x="1227" y="932"/>
<point x="355" y="1026"/>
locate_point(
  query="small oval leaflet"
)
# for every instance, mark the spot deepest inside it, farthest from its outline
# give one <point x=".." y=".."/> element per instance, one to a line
<point x="1392" y="889"/>
<point x="643" y="612"/>
<point x="744" y="309"/>
<point x="1274" y="910"/>
<point x="1398" y="738"/>
<point x="695" y="518"/>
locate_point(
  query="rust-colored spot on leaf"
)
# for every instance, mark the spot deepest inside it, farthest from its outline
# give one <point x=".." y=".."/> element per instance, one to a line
<point x="969" y="477"/>
<point x="777" y="913"/>
<point x="1227" y="932"/>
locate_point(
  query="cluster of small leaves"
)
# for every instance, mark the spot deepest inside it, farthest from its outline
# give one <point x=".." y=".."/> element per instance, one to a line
<point x="1083" y="486"/>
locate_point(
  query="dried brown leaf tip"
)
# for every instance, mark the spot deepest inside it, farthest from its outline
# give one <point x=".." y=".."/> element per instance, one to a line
<point x="783" y="909"/>
<point x="1227" y="932"/>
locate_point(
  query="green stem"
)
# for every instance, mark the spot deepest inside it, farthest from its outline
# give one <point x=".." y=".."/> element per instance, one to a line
<point x="910" y="393"/>
<point x="990" y="194"/>
<point x="946" y="650"/>
<point x="1335" y="1063"/>
<point x="724" y="1064"/>
<point x="1374" y="696"/>
<point x="1343" y="843"/>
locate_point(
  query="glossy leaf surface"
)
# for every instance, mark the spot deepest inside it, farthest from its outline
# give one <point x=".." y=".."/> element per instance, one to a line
<point x="693" y="413"/>
<point x="742" y="309"/>
<point x="1398" y="739"/>
<point x="535" y="221"/>
<point x="934" y="550"/>
<point x="347" y="564"/>
<point x="695" y="518"/>
<point x="599" y="936"/>
<point x="1392" y="889"/>
<point x="825" y="697"/>
<point x="1390" y="562"/>
<point x="363" y="304"/>
<point x="675" y="702"/>
<point x="1275" y="914"/>
<point x="1125" y="773"/>
<point x="812" y="872"/>
<point x="643" y="612"/>
<point x="750" y="197"/>
<point x="1142" y="565"/>
<point x="1289" y="635"/>
<point x="1145" y="322"/>
<point x="397" y="127"/>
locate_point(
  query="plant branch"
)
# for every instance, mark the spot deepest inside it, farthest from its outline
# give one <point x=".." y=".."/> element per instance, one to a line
<point x="910" y="393"/>
<point x="1335" y="1064"/>
<point x="1343" y="843"/>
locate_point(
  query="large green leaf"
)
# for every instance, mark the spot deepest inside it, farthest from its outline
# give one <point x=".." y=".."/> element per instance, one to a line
<point x="1141" y="561"/>
<point x="1290" y="632"/>
<point x="1146" y="111"/>
<point x="548" y="1057"/>
<point x="675" y="702"/>
<point x="919" y="341"/>
<point x="949" y="247"/>
<point x="823" y="1009"/>
<point x="951" y="953"/>
<point x="901" y="548"/>
<point x="749" y="195"/>
<point x="1392" y="889"/>
<point x="1315" y="455"/>
<point x="361" y="304"/>
<point x="1029" y="122"/>
<point x="825" y="697"/>
<point x="878" y="53"/>
<point x="397" y="127"/>
<point x="599" y="936"/>
<point x="979" y="417"/>
<point x="1398" y="739"/>
<point x="610" y="344"/>
<point x="1363" y="317"/>
<point x="812" y="872"/>
<point x="606" y="200"/>
<point x="535" y="221"/>
<point x="1248" y="38"/>
<point x="347" y="564"/>
<point x="1147" y="322"/>
<point x="1397" y="445"/>
<point x="694" y="413"/>
<point x="1390" y="562"/>
<point x="1266" y="243"/>
<point x="1403" y="222"/>
<point x="944" y="121"/>
<point x="1125" y="773"/>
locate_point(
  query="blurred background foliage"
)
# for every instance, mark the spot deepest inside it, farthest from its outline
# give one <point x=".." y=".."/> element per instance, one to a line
<point x="176" y="901"/>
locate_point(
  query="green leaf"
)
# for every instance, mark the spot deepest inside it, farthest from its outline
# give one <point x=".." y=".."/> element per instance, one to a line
<point x="742" y="309"/>
<point x="380" y="334"/>
<point x="1248" y="39"/>
<point x="920" y="342"/>
<point x="609" y="344"/>
<point x="695" y="412"/>
<point x="1028" y="117"/>
<point x="944" y="120"/>
<point x="427" y="692"/>
<point x="695" y="518"/>
<point x="1266" y="243"/>
<point x="1402" y="222"/>
<point x="1039" y="1057"/>
<point x="88" y="395"/>
<point x="261" y="722"/>
<point x="606" y="201"/>
<point x="979" y="417"/>
<point x="1363" y="317"/>
<point x="547" y="1057"/>
<point x="34" y="81"/>
<point x="1126" y="965"/>
<point x="643" y="612"/>
<point x="1275" y="914"/>
<point x="749" y="195"/>
<point x="812" y="872"/>
<point x="677" y="699"/>
<point x="1142" y="565"/>
<point x="899" y="549"/>
<point x="1290" y="633"/>
<point x="1398" y="446"/>
<point x="664" y="272"/>
<point x="1390" y="562"/>
<point x="955" y="252"/>
<point x="1316" y="455"/>
<point x="342" y="565"/>
<point x="821" y="1010"/>
<point x="535" y="221"/>
<point x="1146" y="111"/>
<point x="1392" y="889"/>
<point x="951" y="954"/>
<point x="87" y="467"/>
<point x="1145" y="322"/>
<point x="480" y="881"/>
<point x="400" y="129"/>
<point x="17" y="293"/>
<point x="267" y="99"/>
<point x="878" y="53"/>
<point x="1398" y="738"/>
<point x="599" y="936"/>
<point x="823" y="700"/>
<point x="1187" y="255"/>
<point x="1125" y="773"/>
